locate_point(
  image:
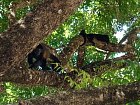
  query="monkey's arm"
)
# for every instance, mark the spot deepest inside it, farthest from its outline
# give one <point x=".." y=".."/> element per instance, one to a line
<point x="83" y="34"/>
<point x="30" y="59"/>
<point x="54" y="59"/>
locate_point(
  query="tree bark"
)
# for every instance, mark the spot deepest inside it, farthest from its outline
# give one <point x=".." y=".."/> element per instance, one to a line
<point x="117" y="95"/>
<point x="17" y="41"/>
<point x="80" y="57"/>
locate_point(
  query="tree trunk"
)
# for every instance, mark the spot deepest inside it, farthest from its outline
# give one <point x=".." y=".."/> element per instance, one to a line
<point x="19" y="39"/>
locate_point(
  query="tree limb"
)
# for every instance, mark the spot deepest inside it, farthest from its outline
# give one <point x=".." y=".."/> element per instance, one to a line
<point x="18" y="40"/>
<point x="80" y="58"/>
<point x="115" y="95"/>
<point x="99" y="67"/>
<point x="131" y="36"/>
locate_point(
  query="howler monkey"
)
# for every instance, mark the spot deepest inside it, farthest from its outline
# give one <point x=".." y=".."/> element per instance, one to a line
<point x="90" y="37"/>
<point x="42" y="58"/>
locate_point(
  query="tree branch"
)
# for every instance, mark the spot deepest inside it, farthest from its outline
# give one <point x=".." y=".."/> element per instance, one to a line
<point x="99" y="67"/>
<point x="80" y="58"/>
<point x="111" y="47"/>
<point x="34" y="77"/>
<point x="115" y="95"/>
<point x="68" y="51"/>
<point x="18" y="40"/>
<point x="131" y="36"/>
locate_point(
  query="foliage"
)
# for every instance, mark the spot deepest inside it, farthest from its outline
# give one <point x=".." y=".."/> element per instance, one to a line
<point x="82" y="80"/>
<point x="95" y="16"/>
<point x="14" y="93"/>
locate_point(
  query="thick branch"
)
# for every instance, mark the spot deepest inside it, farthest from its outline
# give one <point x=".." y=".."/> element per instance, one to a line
<point x="34" y="77"/>
<point x="23" y="75"/>
<point x="78" y="40"/>
<point x="111" y="47"/>
<point x="68" y="51"/>
<point x="131" y="36"/>
<point x="80" y="58"/>
<point x="116" y="95"/>
<point x="17" y="5"/>
<point x="17" y="41"/>
<point x="23" y="3"/>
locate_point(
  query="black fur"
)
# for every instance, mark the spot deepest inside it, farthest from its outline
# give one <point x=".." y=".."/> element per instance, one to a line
<point x="89" y="38"/>
<point x="36" y="59"/>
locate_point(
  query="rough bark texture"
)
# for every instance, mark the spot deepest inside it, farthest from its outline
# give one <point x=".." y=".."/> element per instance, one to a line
<point x="75" y="42"/>
<point x="80" y="58"/>
<point x="68" y="51"/>
<point x="51" y="79"/>
<point x="34" y="77"/>
<point x="113" y="47"/>
<point x="18" y="40"/>
<point x="117" y="95"/>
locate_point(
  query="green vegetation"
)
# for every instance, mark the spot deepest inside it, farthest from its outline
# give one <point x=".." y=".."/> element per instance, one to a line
<point x="95" y="16"/>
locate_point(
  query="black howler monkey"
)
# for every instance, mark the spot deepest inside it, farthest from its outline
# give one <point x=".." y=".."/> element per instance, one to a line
<point x="90" y="37"/>
<point x="42" y="58"/>
<point x="35" y="58"/>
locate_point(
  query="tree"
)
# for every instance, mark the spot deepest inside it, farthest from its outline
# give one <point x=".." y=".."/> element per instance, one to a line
<point x="17" y="41"/>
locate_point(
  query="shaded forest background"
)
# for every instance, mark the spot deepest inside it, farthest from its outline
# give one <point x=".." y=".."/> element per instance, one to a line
<point x="98" y="67"/>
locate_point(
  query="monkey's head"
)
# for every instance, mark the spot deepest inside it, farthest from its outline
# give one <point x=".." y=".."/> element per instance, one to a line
<point x="38" y="50"/>
<point x="82" y="32"/>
